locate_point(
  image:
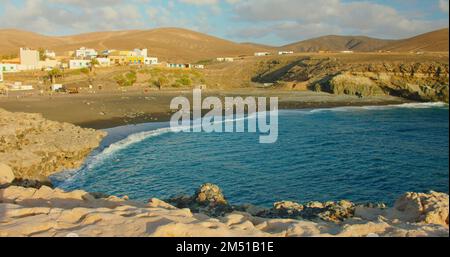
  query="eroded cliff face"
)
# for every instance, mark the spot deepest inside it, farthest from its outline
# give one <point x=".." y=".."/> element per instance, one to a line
<point x="35" y="148"/>
<point x="420" y="81"/>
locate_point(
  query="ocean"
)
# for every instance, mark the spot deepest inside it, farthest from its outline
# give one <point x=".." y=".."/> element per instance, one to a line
<point x="363" y="154"/>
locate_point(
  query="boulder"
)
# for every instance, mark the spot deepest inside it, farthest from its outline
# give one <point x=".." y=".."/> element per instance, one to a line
<point x="431" y="208"/>
<point x="210" y="194"/>
<point x="208" y="199"/>
<point x="6" y="174"/>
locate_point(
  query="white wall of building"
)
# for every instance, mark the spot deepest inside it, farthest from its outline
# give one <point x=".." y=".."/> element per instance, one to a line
<point x="9" y="67"/>
<point x="84" y="52"/>
<point x="79" y="64"/>
<point x="29" y="59"/>
<point x="262" y="54"/>
<point x="141" y="52"/>
<point x="150" y="60"/>
<point x="103" y="62"/>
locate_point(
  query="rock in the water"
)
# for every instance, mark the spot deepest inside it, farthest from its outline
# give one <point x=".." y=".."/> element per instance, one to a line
<point x="210" y="194"/>
<point x="6" y="174"/>
<point x="208" y="199"/>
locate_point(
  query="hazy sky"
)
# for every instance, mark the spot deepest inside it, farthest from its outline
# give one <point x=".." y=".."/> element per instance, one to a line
<point x="274" y="22"/>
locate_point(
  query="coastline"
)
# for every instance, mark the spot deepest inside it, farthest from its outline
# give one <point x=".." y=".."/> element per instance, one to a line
<point x="112" y="109"/>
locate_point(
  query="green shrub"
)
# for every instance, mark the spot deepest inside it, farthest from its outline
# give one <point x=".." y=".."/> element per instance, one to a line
<point x="126" y="80"/>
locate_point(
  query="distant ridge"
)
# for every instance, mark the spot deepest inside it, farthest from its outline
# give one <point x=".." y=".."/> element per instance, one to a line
<point x="435" y="41"/>
<point x="339" y="43"/>
<point x="171" y="44"/>
<point x="182" y="45"/>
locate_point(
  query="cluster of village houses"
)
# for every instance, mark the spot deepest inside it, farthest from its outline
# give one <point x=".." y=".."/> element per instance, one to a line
<point x="30" y="59"/>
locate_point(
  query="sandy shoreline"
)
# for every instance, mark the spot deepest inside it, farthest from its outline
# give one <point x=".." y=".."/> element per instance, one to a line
<point x="112" y="109"/>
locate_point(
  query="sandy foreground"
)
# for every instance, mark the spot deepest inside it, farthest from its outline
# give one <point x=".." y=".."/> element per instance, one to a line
<point x="114" y="108"/>
<point x="52" y="212"/>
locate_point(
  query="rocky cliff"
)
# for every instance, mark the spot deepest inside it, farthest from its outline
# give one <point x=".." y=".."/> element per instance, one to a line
<point x="420" y="81"/>
<point x="34" y="148"/>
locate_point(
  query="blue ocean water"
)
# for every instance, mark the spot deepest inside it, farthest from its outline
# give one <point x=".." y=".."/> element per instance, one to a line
<point x="364" y="154"/>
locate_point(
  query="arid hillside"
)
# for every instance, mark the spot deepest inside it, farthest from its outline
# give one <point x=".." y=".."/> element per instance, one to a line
<point x="339" y="43"/>
<point x="182" y="45"/>
<point x="11" y="40"/>
<point x="436" y="41"/>
<point x="169" y="44"/>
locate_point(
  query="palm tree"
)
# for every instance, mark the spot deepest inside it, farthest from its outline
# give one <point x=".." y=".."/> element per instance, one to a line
<point x="53" y="74"/>
<point x="94" y="62"/>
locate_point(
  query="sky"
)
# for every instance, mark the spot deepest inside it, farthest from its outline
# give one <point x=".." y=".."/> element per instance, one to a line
<point x="272" y="22"/>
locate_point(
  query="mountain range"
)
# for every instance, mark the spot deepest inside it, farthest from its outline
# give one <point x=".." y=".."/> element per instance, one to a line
<point x="175" y="44"/>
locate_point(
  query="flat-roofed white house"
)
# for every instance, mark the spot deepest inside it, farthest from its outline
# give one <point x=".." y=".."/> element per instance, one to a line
<point x="262" y="53"/>
<point x="104" y="62"/>
<point x="48" y="64"/>
<point x="9" y="67"/>
<point x="79" y="64"/>
<point x="49" y="54"/>
<point x="141" y="52"/>
<point x="198" y="66"/>
<point x="225" y="59"/>
<point x="29" y="59"/>
<point x="18" y="86"/>
<point x="150" y="60"/>
<point x="285" y="52"/>
<point x="84" y="52"/>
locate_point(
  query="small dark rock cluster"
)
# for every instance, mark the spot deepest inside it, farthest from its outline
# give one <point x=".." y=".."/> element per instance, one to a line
<point x="208" y="199"/>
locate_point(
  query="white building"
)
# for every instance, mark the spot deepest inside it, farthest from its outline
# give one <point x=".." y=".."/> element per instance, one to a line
<point x="29" y="59"/>
<point x="347" y="52"/>
<point x="56" y="87"/>
<point x="103" y="62"/>
<point x="50" y="54"/>
<point x="150" y="60"/>
<point x="79" y="64"/>
<point x="84" y="52"/>
<point x="140" y="52"/>
<point x="1" y="76"/>
<point x="198" y="66"/>
<point x="262" y="53"/>
<point x="17" y="86"/>
<point x="285" y="52"/>
<point x="48" y="64"/>
<point x="225" y="59"/>
<point x="9" y="67"/>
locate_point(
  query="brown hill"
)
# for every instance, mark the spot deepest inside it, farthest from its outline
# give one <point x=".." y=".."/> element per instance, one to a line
<point x="435" y="41"/>
<point x="169" y="44"/>
<point x="338" y="43"/>
<point x="11" y="40"/>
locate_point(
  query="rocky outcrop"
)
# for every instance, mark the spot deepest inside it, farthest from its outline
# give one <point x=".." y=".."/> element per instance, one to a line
<point x="6" y="174"/>
<point x="53" y="212"/>
<point x="35" y="148"/>
<point x="208" y="199"/>
<point x="421" y="81"/>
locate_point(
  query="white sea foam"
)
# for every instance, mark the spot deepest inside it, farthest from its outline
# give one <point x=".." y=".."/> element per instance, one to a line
<point x="373" y="107"/>
<point x="97" y="159"/>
